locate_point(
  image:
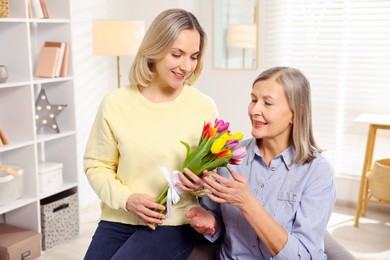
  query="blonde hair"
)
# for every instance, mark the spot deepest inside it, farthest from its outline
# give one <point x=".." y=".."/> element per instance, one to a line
<point x="298" y="93"/>
<point x="159" y="40"/>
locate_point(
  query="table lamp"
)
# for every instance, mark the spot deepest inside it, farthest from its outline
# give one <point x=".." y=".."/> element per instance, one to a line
<point x="117" y="38"/>
<point x="242" y="36"/>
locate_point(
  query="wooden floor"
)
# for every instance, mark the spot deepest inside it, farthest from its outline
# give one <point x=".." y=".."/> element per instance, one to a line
<point x="371" y="241"/>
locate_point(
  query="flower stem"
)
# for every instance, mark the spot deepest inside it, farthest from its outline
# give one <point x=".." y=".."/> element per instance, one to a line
<point x="162" y="196"/>
<point x="230" y="171"/>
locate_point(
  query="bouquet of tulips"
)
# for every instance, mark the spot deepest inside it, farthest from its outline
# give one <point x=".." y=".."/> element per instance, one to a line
<point x="217" y="148"/>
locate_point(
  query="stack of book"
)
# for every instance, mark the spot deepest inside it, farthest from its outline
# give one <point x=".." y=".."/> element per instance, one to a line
<point x="38" y="9"/>
<point x="53" y="60"/>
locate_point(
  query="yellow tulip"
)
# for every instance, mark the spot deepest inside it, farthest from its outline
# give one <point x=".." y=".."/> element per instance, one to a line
<point x="219" y="143"/>
<point x="236" y="136"/>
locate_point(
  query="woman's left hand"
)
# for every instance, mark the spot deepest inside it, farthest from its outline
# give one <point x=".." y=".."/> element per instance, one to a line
<point x="202" y="221"/>
<point x="234" y="192"/>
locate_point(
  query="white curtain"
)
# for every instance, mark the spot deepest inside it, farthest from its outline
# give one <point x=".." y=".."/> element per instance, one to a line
<point x="343" y="47"/>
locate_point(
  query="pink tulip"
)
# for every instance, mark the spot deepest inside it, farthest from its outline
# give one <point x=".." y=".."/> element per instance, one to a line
<point x="221" y="125"/>
<point x="218" y="122"/>
<point x="232" y="144"/>
<point x="239" y="152"/>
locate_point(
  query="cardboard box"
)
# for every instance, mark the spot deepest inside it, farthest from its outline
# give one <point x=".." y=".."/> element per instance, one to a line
<point x="18" y="243"/>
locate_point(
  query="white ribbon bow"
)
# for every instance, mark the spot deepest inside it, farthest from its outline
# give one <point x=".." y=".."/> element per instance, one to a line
<point x="173" y="194"/>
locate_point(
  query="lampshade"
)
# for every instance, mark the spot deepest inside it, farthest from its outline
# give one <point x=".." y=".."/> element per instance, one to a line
<point x="117" y="37"/>
<point x="241" y="36"/>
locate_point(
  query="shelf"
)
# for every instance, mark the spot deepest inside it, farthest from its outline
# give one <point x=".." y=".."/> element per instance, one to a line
<point x="13" y="20"/>
<point x="24" y="39"/>
<point x="49" y="21"/>
<point x="64" y="187"/>
<point x="15" y="145"/>
<point x="51" y="80"/>
<point x="10" y="84"/>
<point x="17" y="204"/>
<point x="49" y="137"/>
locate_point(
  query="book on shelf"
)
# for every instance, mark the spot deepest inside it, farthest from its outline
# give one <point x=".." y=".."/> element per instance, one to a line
<point x="61" y="46"/>
<point x="65" y="61"/>
<point x="47" y="62"/>
<point x="36" y="9"/>
<point x="29" y="9"/>
<point x="61" y="66"/>
<point x="45" y="9"/>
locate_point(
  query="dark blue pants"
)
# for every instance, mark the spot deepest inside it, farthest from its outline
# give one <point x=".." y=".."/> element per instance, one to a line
<point x="122" y="242"/>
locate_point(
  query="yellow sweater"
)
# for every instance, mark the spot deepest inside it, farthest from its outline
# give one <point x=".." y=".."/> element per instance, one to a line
<point x="132" y="137"/>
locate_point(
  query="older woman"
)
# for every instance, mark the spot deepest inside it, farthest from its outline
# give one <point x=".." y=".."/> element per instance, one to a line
<point x="277" y="203"/>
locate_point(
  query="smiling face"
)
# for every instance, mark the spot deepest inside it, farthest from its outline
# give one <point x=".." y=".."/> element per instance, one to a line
<point x="270" y="113"/>
<point x="179" y="63"/>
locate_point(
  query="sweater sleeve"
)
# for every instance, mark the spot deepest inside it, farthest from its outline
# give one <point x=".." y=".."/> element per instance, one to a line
<point x="101" y="161"/>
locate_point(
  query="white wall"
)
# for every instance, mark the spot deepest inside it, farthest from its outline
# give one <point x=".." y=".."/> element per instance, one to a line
<point x="92" y="77"/>
<point x="96" y="75"/>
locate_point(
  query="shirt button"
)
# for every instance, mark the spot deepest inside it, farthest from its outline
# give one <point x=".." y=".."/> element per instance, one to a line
<point x="262" y="185"/>
<point x="272" y="168"/>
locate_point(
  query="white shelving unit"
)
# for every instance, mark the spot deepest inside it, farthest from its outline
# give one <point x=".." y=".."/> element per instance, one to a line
<point x="21" y="40"/>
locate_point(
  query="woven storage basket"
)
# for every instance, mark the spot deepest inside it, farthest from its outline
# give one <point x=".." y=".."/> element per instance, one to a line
<point x="379" y="180"/>
<point x="4" y="8"/>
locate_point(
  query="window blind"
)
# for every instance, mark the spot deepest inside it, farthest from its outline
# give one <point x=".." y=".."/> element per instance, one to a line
<point x="343" y="47"/>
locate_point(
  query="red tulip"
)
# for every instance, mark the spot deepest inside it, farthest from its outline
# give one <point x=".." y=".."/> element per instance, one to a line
<point x="224" y="153"/>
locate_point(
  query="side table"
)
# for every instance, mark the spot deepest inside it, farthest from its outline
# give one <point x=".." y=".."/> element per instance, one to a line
<point x="375" y="121"/>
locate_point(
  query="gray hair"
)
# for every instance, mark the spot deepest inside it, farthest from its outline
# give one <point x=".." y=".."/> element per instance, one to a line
<point x="297" y="89"/>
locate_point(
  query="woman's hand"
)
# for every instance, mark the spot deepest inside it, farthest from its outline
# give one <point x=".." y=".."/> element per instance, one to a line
<point x="145" y="208"/>
<point x="234" y="192"/>
<point x="202" y="221"/>
<point x="191" y="183"/>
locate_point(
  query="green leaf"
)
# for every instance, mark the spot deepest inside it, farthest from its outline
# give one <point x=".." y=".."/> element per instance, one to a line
<point x="221" y="162"/>
<point x="188" y="149"/>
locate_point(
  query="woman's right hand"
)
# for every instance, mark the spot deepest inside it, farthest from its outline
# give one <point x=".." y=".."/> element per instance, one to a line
<point x="146" y="209"/>
<point x="189" y="181"/>
<point x="202" y="221"/>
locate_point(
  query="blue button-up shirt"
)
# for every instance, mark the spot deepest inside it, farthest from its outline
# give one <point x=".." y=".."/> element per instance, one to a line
<point x="298" y="197"/>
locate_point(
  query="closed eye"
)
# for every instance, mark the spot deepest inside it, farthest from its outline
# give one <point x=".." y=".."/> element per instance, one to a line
<point x="195" y="56"/>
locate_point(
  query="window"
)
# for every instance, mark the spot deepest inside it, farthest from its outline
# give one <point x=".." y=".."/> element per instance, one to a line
<point x="343" y="47"/>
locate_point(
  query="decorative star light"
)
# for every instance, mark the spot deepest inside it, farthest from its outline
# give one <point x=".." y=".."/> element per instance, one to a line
<point x="45" y="113"/>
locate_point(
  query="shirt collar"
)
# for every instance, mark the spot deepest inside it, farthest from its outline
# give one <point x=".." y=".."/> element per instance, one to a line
<point x="252" y="150"/>
<point x="288" y="156"/>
